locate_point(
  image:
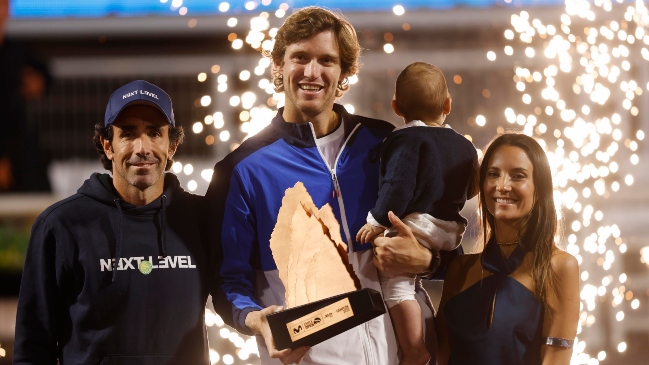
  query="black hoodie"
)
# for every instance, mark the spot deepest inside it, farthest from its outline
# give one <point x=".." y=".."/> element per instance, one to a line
<point x="74" y="307"/>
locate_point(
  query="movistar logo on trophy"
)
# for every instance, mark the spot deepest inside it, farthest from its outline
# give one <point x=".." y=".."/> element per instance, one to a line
<point x="146" y="265"/>
<point x="307" y="325"/>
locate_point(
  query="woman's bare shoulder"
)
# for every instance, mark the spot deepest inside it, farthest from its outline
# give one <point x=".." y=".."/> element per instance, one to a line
<point x="564" y="263"/>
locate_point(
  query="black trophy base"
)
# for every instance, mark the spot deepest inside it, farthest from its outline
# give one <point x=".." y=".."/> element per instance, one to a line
<point x="312" y="323"/>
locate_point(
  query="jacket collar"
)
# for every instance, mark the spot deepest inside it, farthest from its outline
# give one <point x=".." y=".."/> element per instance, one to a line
<point x="301" y="134"/>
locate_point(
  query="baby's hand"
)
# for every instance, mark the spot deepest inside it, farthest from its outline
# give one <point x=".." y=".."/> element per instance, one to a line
<point x="368" y="232"/>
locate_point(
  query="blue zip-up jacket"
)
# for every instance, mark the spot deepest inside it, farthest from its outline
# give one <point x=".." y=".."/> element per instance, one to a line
<point x="245" y="196"/>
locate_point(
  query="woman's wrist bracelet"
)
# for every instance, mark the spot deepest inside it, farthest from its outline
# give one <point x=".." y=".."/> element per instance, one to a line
<point x="560" y="342"/>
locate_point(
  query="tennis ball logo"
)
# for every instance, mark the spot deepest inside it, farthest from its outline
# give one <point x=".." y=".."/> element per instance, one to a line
<point x="145" y="267"/>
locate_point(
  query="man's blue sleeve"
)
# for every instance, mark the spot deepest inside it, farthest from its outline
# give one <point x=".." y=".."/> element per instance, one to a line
<point x="238" y="237"/>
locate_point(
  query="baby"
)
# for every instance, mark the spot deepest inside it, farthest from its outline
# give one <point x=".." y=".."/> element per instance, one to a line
<point x="428" y="172"/>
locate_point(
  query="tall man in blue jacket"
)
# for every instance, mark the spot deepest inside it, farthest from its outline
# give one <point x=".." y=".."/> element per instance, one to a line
<point x="117" y="273"/>
<point x="336" y="155"/>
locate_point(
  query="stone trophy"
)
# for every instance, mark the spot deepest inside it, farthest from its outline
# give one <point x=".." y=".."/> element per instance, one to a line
<point x="323" y="295"/>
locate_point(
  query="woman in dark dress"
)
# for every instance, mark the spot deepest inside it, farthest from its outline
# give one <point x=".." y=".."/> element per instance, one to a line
<point x="517" y="302"/>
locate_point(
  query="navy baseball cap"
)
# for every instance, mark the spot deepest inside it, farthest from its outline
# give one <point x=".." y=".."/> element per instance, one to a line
<point x="138" y="92"/>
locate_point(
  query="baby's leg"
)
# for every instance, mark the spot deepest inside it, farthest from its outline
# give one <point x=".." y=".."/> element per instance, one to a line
<point x="406" y="317"/>
<point x="399" y="293"/>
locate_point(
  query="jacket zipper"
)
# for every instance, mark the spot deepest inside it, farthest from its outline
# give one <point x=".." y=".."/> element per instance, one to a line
<point x="343" y="216"/>
<point x="338" y="194"/>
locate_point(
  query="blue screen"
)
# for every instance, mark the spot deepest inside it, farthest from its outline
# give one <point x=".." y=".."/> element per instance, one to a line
<point x="104" y="8"/>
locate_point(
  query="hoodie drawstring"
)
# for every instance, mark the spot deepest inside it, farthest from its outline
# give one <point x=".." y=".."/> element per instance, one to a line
<point x="164" y="225"/>
<point x="118" y="245"/>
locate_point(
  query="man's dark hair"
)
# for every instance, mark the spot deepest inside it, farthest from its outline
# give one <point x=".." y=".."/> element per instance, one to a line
<point x="176" y="138"/>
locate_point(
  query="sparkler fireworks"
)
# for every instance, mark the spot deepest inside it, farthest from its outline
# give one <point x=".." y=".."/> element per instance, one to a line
<point x="584" y="133"/>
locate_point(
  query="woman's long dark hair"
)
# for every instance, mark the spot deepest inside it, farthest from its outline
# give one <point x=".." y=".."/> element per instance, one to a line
<point x="537" y="230"/>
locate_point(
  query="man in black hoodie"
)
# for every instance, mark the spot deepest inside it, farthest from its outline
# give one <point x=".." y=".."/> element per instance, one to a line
<point x="118" y="273"/>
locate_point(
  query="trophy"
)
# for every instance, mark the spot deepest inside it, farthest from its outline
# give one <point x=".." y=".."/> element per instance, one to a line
<point x="323" y="295"/>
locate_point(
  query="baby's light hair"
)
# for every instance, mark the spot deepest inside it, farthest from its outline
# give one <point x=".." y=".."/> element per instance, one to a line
<point x="421" y="91"/>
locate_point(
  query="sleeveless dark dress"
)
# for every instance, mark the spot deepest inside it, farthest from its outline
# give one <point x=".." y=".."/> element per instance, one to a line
<point x="514" y="336"/>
